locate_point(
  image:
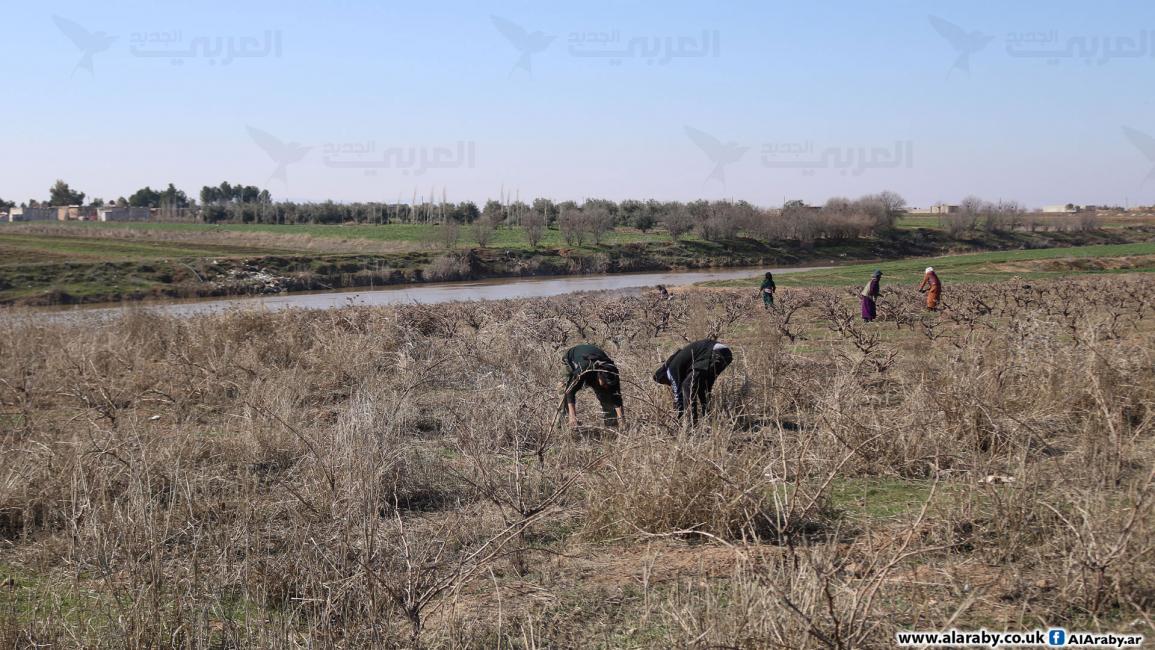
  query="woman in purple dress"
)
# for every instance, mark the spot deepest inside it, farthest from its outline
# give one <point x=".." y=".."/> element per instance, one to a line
<point x="870" y="293"/>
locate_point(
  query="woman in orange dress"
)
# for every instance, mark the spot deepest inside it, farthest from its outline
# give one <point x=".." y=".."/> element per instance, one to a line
<point x="932" y="287"/>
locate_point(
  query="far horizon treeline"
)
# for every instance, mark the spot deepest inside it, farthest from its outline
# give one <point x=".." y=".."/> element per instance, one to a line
<point x="590" y="220"/>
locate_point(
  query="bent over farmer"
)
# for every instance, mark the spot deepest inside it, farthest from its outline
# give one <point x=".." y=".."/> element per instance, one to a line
<point x="588" y="366"/>
<point x="870" y="295"/>
<point x="767" y="289"/>
<point x="932" y="287"/>
<point x="691" y="372"/>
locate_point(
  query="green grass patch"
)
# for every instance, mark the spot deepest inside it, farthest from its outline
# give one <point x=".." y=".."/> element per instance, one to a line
<point x="915" y="221"/>
<point x="505" y="237"/>
<point x="26" y="598"/>
<point x="878" y="498"/>
<point x="23" y="249"/>
<point x="979" y="267"/>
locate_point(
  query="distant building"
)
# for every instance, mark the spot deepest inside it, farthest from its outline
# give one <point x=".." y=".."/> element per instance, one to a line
<point x="937" y="208"/>
<point x="1069" y="208"/>
<point x="122" y="214"/>
<point x="32" y="214"/>
<point x="75" y="213"/>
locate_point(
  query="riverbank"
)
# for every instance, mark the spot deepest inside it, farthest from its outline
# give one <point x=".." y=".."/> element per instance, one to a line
<point x="424" y="293"/>
<point x="38" y="270"/>
<point x="991" y="266"/>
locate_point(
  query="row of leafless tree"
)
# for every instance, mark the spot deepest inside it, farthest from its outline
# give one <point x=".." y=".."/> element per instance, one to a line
<point x="839" y="218"/>
<point x="975" y="214"/>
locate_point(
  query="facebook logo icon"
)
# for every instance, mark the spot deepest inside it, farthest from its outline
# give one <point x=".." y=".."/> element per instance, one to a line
<point x="1056" y="636"/>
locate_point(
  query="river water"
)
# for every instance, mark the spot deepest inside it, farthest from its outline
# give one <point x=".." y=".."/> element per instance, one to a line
<point x="424" y="293"/>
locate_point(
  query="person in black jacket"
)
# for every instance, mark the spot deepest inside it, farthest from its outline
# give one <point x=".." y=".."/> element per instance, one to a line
<point x="588" y="366"/>
<point x="691" y="373"/>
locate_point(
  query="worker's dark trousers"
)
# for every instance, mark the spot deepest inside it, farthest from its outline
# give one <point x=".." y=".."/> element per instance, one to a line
<point x="606" y="399"/>
<point x="693" y="393"/>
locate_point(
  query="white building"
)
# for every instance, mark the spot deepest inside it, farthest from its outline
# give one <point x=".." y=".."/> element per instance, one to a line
<point x="32" y="214"/>
<point x="122" y="214"/>
<point x="1069" y="208"/>
<point x="937" y="208"/>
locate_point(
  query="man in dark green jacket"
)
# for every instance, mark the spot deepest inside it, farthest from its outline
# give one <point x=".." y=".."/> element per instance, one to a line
<point x="588" y="366"/>
<point x="691" y="372"/>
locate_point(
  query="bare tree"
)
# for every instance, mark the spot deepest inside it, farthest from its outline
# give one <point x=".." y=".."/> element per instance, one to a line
<point x="1089" y="220"/>
<point x="894" y="204"/>
<point x="483" y="232"/>
<point x="969" y="211"/>
<point x="573" y="226"/>
<point x="877" y="211"/>
<point x="1011" y="213"/>
<point x="678" y="222"/>
<point x="799" y="222"/>
<point x="535" y="225"/>
<point x="722" y="222"/>
<point x="842" y="218"/>
<point x="599" y="223"/>
<point x="448" y="234"/>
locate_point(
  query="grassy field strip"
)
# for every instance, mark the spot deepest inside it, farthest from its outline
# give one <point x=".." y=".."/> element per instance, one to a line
<point x="982" y="267"/>
<point x="392" y="233"/>
<point x="21" y="249"/>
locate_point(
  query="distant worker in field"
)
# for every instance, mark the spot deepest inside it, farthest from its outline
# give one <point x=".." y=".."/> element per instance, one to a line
<point x="870" y="295"/>
<point x="691" y="373"/>
<point x="767" y="289"/>
<point x="588" y="366"/>
<point x="932" y="287"/>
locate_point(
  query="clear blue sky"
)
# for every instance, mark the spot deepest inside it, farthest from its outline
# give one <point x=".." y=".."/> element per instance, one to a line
<point x="825" y="75"/>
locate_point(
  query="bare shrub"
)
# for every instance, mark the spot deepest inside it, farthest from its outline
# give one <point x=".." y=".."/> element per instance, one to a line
<point x="450" y="266"/>
<point x="955" y="223"/>
<point x="801" y="222"/>
<point x="483" y="230"/>
<point x="535" y="226"/>
<point x="448" y="233"/>
<point x="841" y="218"/>
<point x="573" y="226"/>
<point x="1089" y="220"/>
<point x="678" y="222"/>
<point x="694" y="488"/>
<point x="893" y="205"/>
<point x="599" y="223"/>
<point x="722" y="222"/>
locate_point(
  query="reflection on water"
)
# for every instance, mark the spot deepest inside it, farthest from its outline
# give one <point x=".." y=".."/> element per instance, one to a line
<point x="497" y="289"/>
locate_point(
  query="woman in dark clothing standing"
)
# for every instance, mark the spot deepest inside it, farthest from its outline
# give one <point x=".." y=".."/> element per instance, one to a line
<point x="768" y="288"/>
<point x="870" y="294"/>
